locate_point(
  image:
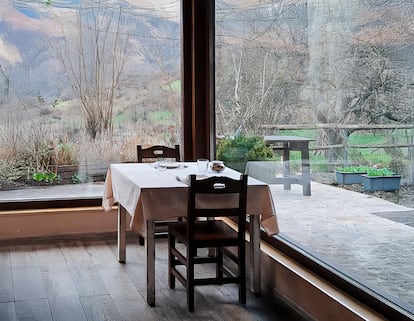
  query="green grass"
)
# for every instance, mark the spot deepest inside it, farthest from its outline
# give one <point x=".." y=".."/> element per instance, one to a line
<point x="120" y="117"/>
<point x="371" y="155"/>
<point x="162" y="117"/>
<point x="174" y="86"/>
<point x="361" y="156"/>
<point x="61" y="105"/>
<point x="307" y="133"/>
<point x="366" y="139"/>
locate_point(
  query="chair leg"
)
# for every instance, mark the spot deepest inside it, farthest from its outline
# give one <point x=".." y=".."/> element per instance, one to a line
<point x="242" y="274"/>
<point x="190" y="296"/>
<point x="171" y="261"/>
<point x="141" y="240"/>
<point x="219" y="265"/>
<point x="190" y="280"/>
<point x="242" y="289"/>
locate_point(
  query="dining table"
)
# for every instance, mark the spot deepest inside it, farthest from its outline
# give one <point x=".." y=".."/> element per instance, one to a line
<point x="151" y="192"/>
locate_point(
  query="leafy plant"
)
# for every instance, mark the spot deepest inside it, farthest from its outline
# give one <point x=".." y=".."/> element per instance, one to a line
<point x="48" y="177"/>
<point x="76" y="179"/>
<point x="240" y="149"/>
<point x="353" y="169"/>
<point x="380" y="172"/>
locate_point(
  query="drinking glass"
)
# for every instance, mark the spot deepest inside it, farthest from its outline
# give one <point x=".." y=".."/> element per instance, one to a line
<point x="202" y="164"/>
<point x="161" y="164"/>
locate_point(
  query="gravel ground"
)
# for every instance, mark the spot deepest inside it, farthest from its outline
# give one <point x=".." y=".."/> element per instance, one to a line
<point x="405" y="196"/>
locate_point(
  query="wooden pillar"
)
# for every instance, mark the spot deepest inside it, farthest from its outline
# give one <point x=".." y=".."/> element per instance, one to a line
<point x="198" y="117"/>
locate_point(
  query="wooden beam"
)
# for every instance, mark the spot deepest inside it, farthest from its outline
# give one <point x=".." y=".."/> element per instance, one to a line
<point x="198" y="121"/>
<point x="339" y="126"/>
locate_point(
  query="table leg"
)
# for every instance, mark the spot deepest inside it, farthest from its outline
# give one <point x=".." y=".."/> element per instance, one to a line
<point x="255" y="271"/>
<point x="286" y="165"/>
<point x="150" y="249"/>
<point x="306" y="172"/>
<point x="121" y="233"/>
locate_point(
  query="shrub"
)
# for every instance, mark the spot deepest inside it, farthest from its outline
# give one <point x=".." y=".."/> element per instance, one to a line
<point x="235" y="152"/>
<point x="63" y="154"/>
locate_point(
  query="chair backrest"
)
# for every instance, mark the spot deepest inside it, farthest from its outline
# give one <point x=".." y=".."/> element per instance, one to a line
<point x="218" y="196"/>
<point x="155" y="152"/>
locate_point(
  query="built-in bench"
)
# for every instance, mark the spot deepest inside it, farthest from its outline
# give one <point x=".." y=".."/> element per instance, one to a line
<point x="55" y="210"/>
<point x="52" y="222"/>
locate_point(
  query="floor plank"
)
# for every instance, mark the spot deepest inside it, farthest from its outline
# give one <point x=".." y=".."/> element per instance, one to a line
<point x="86" y="278"/>
<point x="67" y="308"/>
<point x="59" y="284"/>
<point x="33" y="310"/>
<point x="100" y="308"/>
<point x="28" y="283"/>
<point x="133" y="309"/>
<point x="5" y="259"/>
<point x="6" y="284"/>
<point x="50" y="255"/>
<point x="7" y="311"/>
<point x="24" y="256"/>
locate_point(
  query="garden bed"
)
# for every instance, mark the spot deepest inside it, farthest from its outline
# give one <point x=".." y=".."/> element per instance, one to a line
<point x="68" y="174"/>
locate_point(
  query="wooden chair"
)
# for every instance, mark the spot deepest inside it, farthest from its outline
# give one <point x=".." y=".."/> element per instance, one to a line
<point x="152" y="154"/>
<point x="194" y="233"/>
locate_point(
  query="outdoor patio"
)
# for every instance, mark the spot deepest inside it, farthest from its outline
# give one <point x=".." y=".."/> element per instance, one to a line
<point x="367" y="237"/>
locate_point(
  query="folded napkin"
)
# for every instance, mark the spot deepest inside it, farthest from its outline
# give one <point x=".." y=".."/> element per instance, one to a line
<point x="186" y="178"/>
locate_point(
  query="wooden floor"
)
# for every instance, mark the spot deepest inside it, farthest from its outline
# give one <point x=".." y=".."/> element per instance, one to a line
<point x="81" y="280"/>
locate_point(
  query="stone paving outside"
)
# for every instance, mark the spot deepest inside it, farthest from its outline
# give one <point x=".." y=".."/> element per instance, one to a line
<point x="334" y="223"/>
<point x="340" y="225"/>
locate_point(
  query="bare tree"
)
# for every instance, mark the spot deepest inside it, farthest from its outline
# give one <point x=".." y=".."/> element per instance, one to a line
<point x="258" y="69"/>
<point x="382" y="74"/>
<point x="92" y="54"/>
<point x="4" y="84"/>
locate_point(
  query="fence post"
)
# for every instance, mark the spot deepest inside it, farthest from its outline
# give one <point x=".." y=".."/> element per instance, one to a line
<point x="410" y="139"/>
<point x="345" y="133"/>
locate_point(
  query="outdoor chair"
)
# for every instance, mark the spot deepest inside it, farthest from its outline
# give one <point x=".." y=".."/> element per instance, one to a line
<point x="153" y="154"/>
<point x="203" y="228"/>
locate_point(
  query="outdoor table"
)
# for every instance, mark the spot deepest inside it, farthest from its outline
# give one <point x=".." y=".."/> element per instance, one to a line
<point x="286" y="144"/>
<point x="149" y="194"/>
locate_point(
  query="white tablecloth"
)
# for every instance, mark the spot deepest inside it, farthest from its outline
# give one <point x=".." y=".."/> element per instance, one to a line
<point x="147" y="192"/>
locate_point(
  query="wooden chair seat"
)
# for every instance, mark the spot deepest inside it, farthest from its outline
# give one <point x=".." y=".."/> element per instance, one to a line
<point x="215" y="233"/>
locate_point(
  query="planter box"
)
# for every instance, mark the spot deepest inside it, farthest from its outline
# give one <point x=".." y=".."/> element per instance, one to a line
<point x="347" y="178"/>
<point x="381" y="183"/>
<point x="95" y="172"/>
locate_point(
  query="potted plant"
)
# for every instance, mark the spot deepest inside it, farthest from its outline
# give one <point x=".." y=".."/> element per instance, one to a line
<point x="350" y="174"/>
<point x="236" y="152"/>
<point x="381" y="179"/>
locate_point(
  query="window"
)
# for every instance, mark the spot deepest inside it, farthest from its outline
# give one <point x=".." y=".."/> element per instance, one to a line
<point x="338" y="73"/>
<point x="81" y="84"/>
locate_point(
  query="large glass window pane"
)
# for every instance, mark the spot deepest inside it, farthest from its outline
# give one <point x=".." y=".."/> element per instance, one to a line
<point x="340" y="74"/>
<point x="81" y="84"/>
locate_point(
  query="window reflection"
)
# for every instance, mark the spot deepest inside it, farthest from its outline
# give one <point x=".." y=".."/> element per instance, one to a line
<point x="341" y="75"/>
